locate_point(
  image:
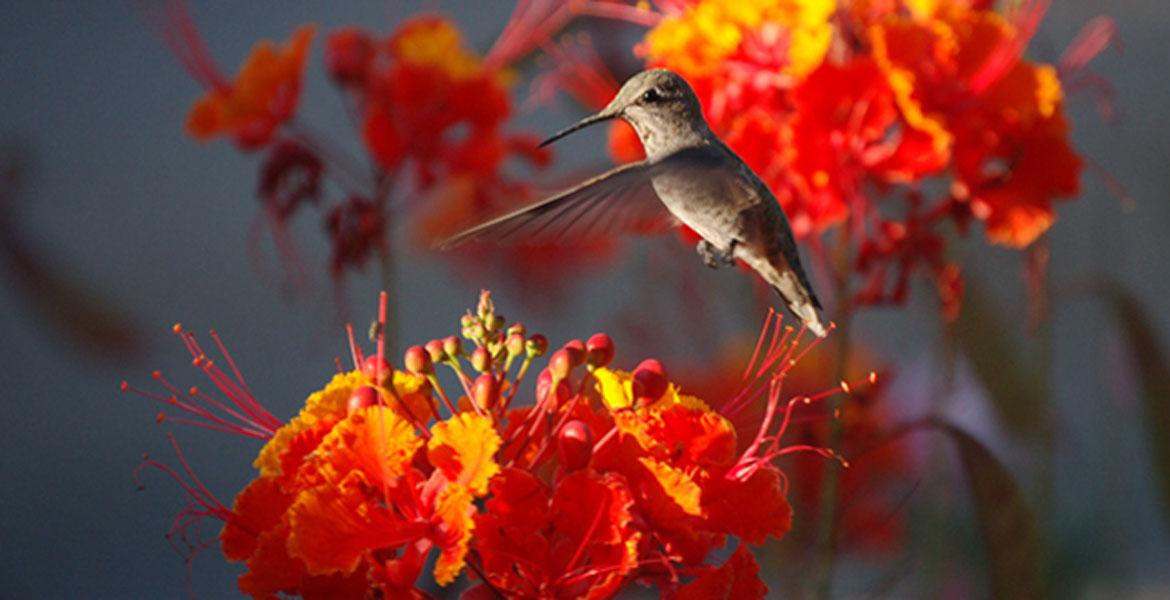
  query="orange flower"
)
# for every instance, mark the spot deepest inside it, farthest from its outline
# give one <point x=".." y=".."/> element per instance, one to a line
<point x="263" y="96"/>
<point x="356" y="491"/>
<point x="335" y="524"/>
<point x="680" y="456"/>
<point x="957" y="73"/>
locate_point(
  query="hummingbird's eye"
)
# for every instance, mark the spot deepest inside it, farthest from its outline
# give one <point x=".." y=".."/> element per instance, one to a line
<point x="651" y="95"/>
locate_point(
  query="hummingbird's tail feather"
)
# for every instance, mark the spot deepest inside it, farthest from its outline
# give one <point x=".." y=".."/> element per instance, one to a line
<point x="790" y="285"/>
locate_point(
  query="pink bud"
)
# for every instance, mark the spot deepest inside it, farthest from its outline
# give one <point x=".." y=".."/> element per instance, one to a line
<point x="599" y="350"/>
<point x="436" y="351"/>
<point x="651" y="374"/>
<point x="452" y="346"/>
<point x="536" y="345"/>
<point x="561" y="363"/>
<point x="486" y="391"/>
<point x="418" y="361"/>
<point x="575" y="445"/>
<point x="481" y="360"/>
<point x="515" y="344"/>
<point x="361" y="398"/>
<point x="378" y="372"/>
<point x="576" y="350"/>
<point x="544" y="386"/>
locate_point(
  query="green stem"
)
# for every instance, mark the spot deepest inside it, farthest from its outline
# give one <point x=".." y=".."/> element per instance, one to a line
<point x="1045" y="474"/>
<point x="826" y="540"/>
<point x="935" y="536"/>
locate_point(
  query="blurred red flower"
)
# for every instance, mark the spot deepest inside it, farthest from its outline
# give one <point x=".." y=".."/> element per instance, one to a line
<point x="263" y="95"/>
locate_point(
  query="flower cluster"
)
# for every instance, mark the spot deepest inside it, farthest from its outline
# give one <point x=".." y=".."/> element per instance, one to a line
<point x="853" y="111"/>
<point x="610" y="477"/>
<point x="430" y="113"/>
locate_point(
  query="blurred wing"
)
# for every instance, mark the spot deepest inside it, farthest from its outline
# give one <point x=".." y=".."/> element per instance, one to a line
<point x="620" y="200"/>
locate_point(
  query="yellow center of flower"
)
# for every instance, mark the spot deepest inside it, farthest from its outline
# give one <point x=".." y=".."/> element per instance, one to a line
<point x="705" y="34"/>
<point x="435" y="43"/>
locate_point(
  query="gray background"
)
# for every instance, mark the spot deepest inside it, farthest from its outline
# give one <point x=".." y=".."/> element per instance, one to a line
<point x="120" y="197"/>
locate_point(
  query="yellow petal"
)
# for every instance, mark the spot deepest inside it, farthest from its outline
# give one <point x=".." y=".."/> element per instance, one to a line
<point x="464" y="448"/>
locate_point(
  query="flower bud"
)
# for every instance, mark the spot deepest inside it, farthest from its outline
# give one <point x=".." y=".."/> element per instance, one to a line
<point x="361" y="398"/>
<point x="436" y="351"/>
<point x="418" y="361"/>
<point x="516" y="328"/>
<point x="544" y="386"/>
<point x="348" y="53"/>
<point x="486" y="391"/>
<point x="599" y="350"/>
<point x="575" y="445"/>
<point x="561" y="364"/>
<point x="378" y="371"/>
<point x="467" y="320"/>
<point x="453" y="346"/>
<point x="486" y="308"/>
<point x="651" y="374"/>
<point x="576" y="350"/>
<point x="481" y="360"/>
<point x="495" y="323"/>
<point x="536" y="345"/>
<point x="475" y="332"/>
<point x="515" y="344"/>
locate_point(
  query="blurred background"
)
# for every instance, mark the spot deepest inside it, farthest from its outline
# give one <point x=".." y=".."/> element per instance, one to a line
<point x="116" y="225"/>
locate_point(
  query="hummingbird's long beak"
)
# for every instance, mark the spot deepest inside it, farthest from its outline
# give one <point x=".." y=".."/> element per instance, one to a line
<point x="605" y="115"/>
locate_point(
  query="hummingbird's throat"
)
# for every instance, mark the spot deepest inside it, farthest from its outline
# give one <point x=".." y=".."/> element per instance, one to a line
<point x="665" y="134"/>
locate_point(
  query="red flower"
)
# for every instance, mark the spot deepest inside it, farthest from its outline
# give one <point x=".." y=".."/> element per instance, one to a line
<point x="357" y="228"/>
<point x="609" y="478"/>
<point x="958" y="75"/>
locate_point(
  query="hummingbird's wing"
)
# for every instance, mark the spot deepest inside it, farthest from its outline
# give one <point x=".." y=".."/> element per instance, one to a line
<point x="619" y="200"/>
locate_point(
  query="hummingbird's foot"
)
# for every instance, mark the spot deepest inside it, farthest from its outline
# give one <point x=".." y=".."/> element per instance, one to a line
<point x="714" y="257"/>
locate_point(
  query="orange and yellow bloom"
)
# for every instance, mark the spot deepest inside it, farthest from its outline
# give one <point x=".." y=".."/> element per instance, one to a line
<point x="850" y="110"/>
<point x="611" y="476"/>
<point x="263" y="95"/>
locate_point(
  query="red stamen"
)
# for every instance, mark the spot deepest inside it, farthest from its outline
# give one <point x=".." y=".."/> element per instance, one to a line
<point x="355" y="351"/>
<point x="383" y="301"/>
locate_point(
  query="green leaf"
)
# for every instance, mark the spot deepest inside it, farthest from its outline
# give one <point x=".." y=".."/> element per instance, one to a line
<point x="1011" y="537"/>
<point x="1153" y="369"/>
<point x="983" y="334"/>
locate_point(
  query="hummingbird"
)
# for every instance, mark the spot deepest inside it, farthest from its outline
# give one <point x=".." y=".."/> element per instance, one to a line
<point x="689" y="176"/>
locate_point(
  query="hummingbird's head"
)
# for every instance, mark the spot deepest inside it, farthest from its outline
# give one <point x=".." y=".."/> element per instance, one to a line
<point x="658" y="103"/>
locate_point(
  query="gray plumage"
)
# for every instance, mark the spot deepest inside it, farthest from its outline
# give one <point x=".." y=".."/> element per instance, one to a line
<point x="689" y="176"/>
